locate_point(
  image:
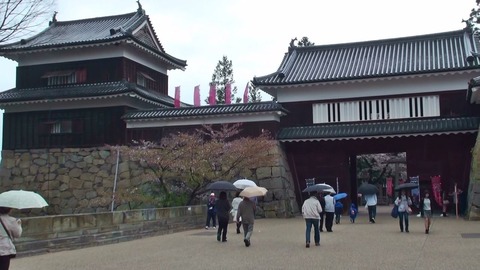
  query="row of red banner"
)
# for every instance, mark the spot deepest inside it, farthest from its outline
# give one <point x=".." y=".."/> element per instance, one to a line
<point x="212" y="98"/>
<point x="436" y="187"/>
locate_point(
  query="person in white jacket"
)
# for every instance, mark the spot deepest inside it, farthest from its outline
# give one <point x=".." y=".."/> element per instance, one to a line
<point x="311" y="210"/>
<point x="10" y="229"/>
<point x="236" y="201"/>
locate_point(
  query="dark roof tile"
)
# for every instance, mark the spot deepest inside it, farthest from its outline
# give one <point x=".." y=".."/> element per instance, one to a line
<point x="392" y="128"/>
<point x="100" y="30"/>
<point x="81" y="91"/>
<point x="391" y="57"/>
<point x="240" y="108"/>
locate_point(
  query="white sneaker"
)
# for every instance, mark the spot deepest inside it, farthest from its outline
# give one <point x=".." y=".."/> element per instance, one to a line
<point x="206" y="227"/>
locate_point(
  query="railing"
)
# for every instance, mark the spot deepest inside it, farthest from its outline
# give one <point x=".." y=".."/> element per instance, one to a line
<point x="64" y="232"/>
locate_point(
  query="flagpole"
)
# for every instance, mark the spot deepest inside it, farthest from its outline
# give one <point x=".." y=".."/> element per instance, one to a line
<point x="456" y="200"/>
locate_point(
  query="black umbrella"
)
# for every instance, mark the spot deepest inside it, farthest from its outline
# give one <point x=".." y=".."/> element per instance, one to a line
<point x="406" y="186"/>
<point x="319" y="188"/>
<point x="221" y="185"/>
<point x="367" y="189"/>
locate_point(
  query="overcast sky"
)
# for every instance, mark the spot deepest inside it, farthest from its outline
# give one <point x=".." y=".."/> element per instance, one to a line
<point x="255" y="34"/>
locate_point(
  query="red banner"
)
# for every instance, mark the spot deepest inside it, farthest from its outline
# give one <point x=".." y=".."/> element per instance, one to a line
<point x="176" y="101"/>
<point x="196" y="96"/>
<point x="212" y="99"/>
<point x="245" y="94"/>
<point x="390" y="186"/>
<point x="437" y="189"/>
<point x="228" y="94"/>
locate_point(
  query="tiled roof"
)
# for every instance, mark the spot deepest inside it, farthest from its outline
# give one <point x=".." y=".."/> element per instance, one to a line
<point x="381" y="129"/>
<point x="231" y="109"/>
<point x="101" y="30"/>
<point x="380" y="58"/>
<point x="82" y="91"/>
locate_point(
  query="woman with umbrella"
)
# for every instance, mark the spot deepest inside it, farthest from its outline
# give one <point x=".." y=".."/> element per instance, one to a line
<point x="339" y="206"/>
<point x="11" y="228"/>
<point x="403" y="202"/>
<point x="369" y="192"/>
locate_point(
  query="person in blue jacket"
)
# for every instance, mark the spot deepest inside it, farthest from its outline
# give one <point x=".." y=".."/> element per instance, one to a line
<point x="338" y="211"/>
<point x="353" y="212"/>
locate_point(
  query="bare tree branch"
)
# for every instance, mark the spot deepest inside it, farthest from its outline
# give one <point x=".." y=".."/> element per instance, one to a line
<point x="19" y="18"/>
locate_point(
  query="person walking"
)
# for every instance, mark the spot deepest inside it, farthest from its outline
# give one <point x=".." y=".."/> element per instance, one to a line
<point x="426" y="208"/>
<point x="371" y="203"/>
<point x="10" y="229"/>
<point x="445" y="204"/>
<point x="235" y="202"/>
<point x="211" y="212"/>
<point x="403" y="202"/>
<point x="311" y="210"/>
<point x="329" y="212"/>
<point x="338" y="211"/>
<point x="353" y="212"/>
<point x="246" y="213"/>
<point x="222" y="207"/>
<point x="321" y="199"/>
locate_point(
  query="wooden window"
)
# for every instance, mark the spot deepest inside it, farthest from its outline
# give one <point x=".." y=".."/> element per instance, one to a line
<point x="143" y="79"/>
<point x="61" y="127"/>
<point x="65" y="77"/>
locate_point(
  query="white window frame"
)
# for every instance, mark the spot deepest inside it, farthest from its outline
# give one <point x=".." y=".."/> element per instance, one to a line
<point x="376" y="109"/>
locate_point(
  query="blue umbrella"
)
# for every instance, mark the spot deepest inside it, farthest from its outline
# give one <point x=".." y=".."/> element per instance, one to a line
<point x="340" y="196"/>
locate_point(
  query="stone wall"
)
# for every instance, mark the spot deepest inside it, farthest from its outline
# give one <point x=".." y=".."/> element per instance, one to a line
<point x="473" y="209"/>
<point x="64" y="232"/>
<point x="82" y="180"/>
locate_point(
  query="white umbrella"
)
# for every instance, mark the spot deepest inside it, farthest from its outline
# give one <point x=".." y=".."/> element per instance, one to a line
<point x="329" y="190"/>
<point x="253" y="192"/>
<point x="325" y="188"/>
<point x="21" y="199"/>
<point x="243" y="183"/>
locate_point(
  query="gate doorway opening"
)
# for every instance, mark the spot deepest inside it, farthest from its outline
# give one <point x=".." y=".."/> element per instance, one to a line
<point x="385" y="170"/>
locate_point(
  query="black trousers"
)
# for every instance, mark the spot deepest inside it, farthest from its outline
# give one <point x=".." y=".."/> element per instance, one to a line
<point x="211" y="216"/>
<point x="329" y="220"/>
<point x="5" y="262"/>
<point x="222" y="228"/>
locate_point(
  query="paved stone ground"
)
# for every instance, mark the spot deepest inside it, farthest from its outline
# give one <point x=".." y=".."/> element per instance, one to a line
<point x="280" y="244"/>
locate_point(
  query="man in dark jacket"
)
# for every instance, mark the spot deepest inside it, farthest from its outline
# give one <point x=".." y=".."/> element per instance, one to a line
<point x="222" y="206"/>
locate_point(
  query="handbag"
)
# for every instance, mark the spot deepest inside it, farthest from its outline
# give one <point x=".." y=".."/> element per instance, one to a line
<point x="394" y="212"/>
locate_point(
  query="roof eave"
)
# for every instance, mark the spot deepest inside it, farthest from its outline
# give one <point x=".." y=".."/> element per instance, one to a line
<point x="378" y="136"/>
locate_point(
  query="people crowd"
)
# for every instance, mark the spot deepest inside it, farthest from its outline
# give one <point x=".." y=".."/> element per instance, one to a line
<point x="319" y="210"/>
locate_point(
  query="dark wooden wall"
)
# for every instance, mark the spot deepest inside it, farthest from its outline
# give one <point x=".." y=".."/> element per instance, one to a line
<point x="97" y="127"/>
<point x="97" y="71"/>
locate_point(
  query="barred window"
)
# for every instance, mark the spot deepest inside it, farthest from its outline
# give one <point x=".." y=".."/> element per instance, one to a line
<point x="65" y="77"/>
